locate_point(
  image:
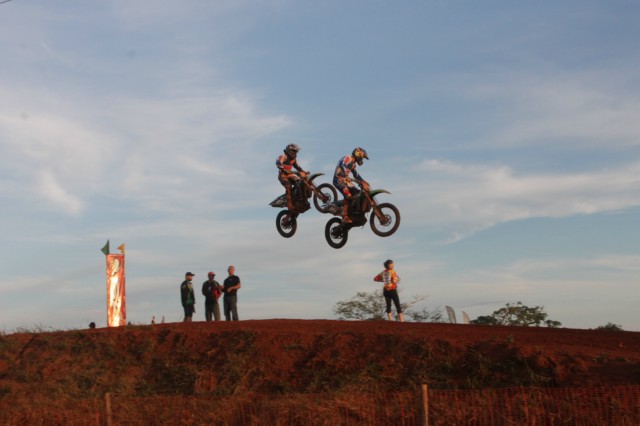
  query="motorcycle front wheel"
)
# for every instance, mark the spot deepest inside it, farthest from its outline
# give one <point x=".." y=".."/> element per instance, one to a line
<point x="391" y="220"/>
<point x="286" y="224"/>
<point x="335" y="233"/>
<point x="329" y="193"/>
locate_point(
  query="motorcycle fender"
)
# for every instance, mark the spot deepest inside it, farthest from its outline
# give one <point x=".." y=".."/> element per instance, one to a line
<point x="315" y="175"/>
<point x="375" y="192"/>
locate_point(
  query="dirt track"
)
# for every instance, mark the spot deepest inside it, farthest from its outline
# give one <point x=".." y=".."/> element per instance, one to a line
<point x="311" y="356"/>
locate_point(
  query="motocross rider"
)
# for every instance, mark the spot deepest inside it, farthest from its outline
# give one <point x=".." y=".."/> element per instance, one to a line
<point x="285" y="164"/>
<point x="343" y="182"/>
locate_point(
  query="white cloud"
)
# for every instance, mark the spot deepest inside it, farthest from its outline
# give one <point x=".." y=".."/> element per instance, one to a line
<point x="50" y="189"/>
<point x="49" y="150"/>
<point x="191" y="149"/>
<point x="468" y="198"/>
<point x="157" y="152"/>
<point x="627" y="264"/>
<point x="583" y="110"/>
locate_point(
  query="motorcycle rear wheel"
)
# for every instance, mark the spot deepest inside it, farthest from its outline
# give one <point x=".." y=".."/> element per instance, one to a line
<point x="286" y="223"/>
<point x="392" y="216"/>
<point x="328" y="191"/>
<point x="336" y="238"/>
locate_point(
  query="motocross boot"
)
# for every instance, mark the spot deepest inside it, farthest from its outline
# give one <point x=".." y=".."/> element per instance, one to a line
<point x="290" y="205"/>
<point x="345" y="212"/>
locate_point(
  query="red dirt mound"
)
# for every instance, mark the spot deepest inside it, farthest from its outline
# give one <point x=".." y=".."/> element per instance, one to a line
<point x="283" y="356"/>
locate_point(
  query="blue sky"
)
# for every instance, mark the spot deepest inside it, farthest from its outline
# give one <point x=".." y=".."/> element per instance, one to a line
<point x="508" y="134"/>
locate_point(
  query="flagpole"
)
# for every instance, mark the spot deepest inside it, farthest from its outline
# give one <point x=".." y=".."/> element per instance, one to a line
<point x="106" y="269"/>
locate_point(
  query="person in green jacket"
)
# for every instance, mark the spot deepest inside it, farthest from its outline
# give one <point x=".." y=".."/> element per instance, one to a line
<point x="188" y="297"/>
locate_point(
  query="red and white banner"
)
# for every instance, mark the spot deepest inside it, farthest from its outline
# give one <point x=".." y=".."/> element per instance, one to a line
<point x="116" y="298"/>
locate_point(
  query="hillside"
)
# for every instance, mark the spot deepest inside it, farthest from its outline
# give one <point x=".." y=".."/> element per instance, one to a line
<point x="300" y="356"/>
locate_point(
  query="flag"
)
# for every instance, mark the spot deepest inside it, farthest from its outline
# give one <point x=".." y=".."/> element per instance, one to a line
<point x="105" y="249"/>
<point x="121" y="248"/>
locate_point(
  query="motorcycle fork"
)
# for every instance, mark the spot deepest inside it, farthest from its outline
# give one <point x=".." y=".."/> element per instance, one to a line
<point x="290" y="217"/>
<point x="381" y="217"/>
<point x="341" y="229"/>
<point x="319" y="194"/>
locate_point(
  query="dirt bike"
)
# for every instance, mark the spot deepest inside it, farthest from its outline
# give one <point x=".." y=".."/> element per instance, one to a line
<point x="384" y="219"/>
<point x="304" y="188"/>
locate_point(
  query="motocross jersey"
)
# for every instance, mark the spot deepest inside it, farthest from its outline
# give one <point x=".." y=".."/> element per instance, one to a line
<point x="285" y="163"/>
<point x="345" y="166"/>
<point x="389" y="278"/>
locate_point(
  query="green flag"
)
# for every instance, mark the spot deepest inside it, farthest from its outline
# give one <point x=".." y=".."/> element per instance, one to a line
<point x="105" y="249"/>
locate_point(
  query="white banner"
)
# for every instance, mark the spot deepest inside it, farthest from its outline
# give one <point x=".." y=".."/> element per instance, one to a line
<point x="116" y="298"/>
<point x="451" y="313"/>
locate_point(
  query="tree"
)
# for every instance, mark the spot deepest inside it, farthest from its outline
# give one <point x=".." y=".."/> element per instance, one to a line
<point x="425" y="315"/>
<point x="485" y="320"/>
<point x="362" y="306"/>
<point x="371" y="306"/>
<point x="518" y="314"/>
<point x="610" y="326"/>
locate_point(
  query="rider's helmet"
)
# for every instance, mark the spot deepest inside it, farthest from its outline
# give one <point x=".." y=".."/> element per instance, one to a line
<point x="359" y="154"/>
<point x="292" y="150"/>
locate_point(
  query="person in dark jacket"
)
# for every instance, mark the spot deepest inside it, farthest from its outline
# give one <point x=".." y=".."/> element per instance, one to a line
<point x="231" y="287"/>
<point x="188" y="297"/>
<point x="211" y="290"/>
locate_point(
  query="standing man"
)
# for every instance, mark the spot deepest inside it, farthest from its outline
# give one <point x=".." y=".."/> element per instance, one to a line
<point x="188" y="297"/>
<point x="230" y="301"/>
<point x="389" y="277"/>
<point x="211" y="290"/>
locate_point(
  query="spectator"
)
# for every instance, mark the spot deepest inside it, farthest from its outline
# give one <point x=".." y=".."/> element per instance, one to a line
<point x="211" y="290"/>
<point x="390" y="291"/>
<point x="230" y="300"/>
<point x="188" y="297"/>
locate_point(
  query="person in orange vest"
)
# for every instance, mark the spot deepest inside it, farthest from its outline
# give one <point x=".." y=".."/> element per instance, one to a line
<point x="389" y="277"/>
